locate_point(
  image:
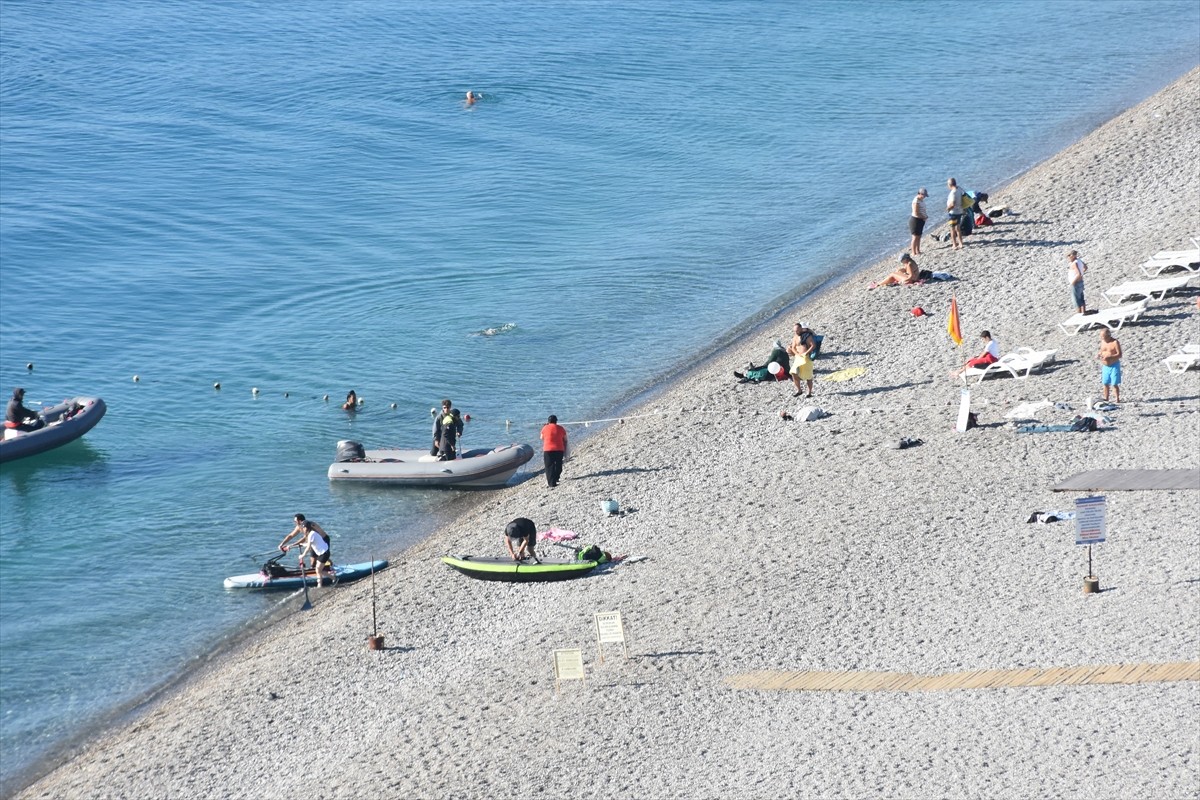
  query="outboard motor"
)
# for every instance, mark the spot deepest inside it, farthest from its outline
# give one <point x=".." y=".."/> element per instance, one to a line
<point x="350" y="451"/>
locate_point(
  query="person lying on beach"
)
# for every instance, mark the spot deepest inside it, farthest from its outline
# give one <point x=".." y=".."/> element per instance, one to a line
<point x="755" y="374"/>
<point x="524" y="533"/>
<point x="908" y="273"/>
<point x="990" y="355"/>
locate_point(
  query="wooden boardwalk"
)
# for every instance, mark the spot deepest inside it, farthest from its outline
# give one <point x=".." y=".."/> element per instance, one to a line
<point x="1129" y="480"/>
<point x="774" y="680"/>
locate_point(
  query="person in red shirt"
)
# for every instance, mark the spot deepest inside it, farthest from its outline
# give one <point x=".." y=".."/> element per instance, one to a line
<point x="554" y="447"/>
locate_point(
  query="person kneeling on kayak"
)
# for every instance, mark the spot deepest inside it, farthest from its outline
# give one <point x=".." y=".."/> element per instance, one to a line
<point x="523" y="532"/>
<point x="315" y="541"/>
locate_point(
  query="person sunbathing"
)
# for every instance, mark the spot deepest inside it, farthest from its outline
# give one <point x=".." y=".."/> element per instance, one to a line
<point x="908" y="273"/>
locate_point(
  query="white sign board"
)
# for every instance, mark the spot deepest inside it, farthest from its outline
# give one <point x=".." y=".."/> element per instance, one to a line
<point x="568" y="666"/>
<point x="964" y="410"/>
<point x="610" y="629"/>
<point x="1089" y="520"/>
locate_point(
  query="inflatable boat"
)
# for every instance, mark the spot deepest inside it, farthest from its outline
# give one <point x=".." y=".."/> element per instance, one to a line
<point x="274" y="575"/>
<point x="505" y="569"/>
<point x="481" y="468"/>
<point x="65" y="423"/>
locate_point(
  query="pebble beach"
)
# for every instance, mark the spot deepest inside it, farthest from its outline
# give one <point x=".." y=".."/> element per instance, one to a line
<point x="771" y="544"/>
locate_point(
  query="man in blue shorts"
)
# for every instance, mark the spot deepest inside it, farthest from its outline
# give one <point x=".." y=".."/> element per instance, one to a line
<point x="1110" y="357"/>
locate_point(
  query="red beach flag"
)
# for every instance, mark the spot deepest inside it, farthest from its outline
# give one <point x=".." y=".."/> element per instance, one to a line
<point x="952" y="326"/>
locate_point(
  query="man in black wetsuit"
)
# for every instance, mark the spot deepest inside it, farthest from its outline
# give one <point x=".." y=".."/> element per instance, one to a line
<point x="18" y="416"/>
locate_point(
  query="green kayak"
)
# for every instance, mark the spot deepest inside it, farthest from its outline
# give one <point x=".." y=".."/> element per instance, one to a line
<point x="505" y="569"/>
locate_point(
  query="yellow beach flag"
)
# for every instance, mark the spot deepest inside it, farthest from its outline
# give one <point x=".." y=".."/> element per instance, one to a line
<point x="952" y="326"/>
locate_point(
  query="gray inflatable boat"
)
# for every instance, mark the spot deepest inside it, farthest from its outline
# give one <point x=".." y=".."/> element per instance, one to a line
<point x="65" y="423"/>
<point x="481" y="468"/>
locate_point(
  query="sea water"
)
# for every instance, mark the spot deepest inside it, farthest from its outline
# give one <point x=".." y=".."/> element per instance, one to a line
<point x="293" y="197"/>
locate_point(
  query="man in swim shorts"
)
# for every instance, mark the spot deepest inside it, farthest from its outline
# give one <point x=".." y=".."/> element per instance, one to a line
<point x="916" y="223"/>
<point x="523" y="533"/>
<point x="1110" y="358"/>
<point x="954" y="211"/>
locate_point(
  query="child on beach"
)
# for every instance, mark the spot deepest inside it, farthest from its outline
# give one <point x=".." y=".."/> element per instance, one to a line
<point x="990" y="354"/>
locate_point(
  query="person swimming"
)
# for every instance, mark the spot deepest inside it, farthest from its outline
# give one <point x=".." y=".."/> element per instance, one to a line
<point x="472" y="98"/>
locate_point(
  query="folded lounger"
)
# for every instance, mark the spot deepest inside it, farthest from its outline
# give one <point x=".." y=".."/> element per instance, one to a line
<point x="1165" y="260"/>
<point x="1184" y="359"/>
<point x="1111" y="318"/>
<point x="1155" y="289"/>
<point x="1020" y="364"/>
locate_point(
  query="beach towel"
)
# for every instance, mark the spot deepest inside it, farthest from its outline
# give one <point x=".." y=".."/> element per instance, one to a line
<point x="558" y="535"/>
<point x="845" y="374"/>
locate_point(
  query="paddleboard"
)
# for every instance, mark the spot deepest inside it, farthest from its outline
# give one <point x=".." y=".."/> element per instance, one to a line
<point x="344" y="573"/>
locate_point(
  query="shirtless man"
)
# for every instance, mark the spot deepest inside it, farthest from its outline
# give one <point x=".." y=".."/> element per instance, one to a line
<point x="954" y="211"/>
<point x="1110" y="357"/>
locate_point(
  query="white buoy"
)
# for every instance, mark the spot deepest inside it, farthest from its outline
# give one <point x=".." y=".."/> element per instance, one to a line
<point x="286" y="394"/>
<point x="29" y="366"/>
<point x="393" y="405"/>
<point x="507" y="424"/>
<point x="360" y="401"/>
<point x="254" y="390"/>
<point x="325" y="398"/>
<point x="217" y="385"/>
<point x="136" y="379"/>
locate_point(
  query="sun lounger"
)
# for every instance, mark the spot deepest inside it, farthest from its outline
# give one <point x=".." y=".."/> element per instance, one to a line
<point x="1164" y="260"/>
<point x="1184" y="359"/>
<point x="1020" y="364"/>
<point x="1111" y="318"/>
<point x="1155" y="289"/>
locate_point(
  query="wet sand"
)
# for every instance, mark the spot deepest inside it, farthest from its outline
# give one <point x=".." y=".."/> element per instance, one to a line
<point x="774" y="544"/>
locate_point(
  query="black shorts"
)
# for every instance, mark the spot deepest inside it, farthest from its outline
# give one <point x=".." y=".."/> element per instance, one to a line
<point x="916" y="226"/>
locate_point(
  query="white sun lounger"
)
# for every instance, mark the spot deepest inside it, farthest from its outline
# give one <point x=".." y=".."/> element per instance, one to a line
<point x="1155" y="289"/>
<point x="1165" y="260"/>
<point x="1184" y="359"/>
<point x="1111" y="318"/>
<point x="1020" y="364"/>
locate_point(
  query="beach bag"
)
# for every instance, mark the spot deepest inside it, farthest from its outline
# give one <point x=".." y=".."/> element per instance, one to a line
<point x="817" y="339"/>
<point x="983" y="220"/>
<point x="1084" y="424"/>
<point x="972" y="420"/>
<point x="966" y="224"/>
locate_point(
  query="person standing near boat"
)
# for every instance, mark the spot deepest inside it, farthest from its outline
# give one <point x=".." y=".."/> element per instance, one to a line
<point x="447" y="427"/>
<point x="554" y="449"/>
<point x="16" y="415"/>
<point x="315" y="541"/>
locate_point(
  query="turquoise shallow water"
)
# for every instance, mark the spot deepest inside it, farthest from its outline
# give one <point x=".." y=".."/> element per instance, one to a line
<point x="293" y="197"/>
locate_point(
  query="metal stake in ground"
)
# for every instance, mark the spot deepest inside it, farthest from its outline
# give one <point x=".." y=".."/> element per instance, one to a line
<point x="375" y="641"/>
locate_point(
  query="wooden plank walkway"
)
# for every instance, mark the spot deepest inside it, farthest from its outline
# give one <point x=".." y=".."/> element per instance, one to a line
<point x="1129" y="480"/>
<point x="777" y="680"/>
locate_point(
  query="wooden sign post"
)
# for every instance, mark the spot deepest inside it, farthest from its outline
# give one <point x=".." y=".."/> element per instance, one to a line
<point x="1090" y="529"/>
<point x="610" y="629"/>
<point x="568" y="666"/>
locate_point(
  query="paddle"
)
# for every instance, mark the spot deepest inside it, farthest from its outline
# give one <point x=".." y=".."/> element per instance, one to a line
<point x="304" y="582"/>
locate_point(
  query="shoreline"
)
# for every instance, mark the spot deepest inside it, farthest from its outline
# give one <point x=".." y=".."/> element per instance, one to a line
<point x="732" y="401"/>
